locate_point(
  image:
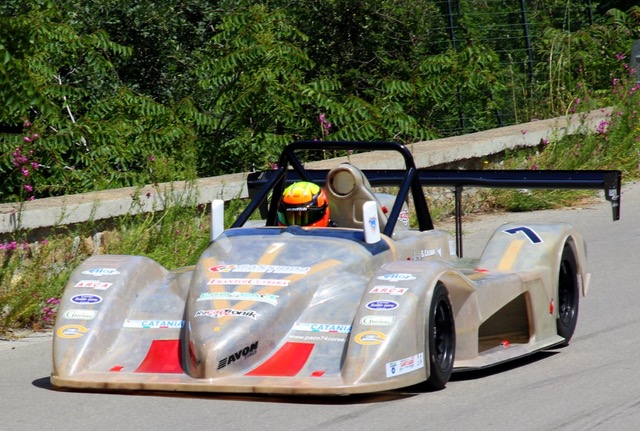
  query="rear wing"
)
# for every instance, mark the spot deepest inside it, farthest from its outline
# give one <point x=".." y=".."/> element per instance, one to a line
<point x="607" y="180"/>
<point x="268" y="185"/>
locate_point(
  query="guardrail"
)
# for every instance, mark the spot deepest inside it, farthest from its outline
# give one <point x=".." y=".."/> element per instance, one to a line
<point x="107" y="204"/>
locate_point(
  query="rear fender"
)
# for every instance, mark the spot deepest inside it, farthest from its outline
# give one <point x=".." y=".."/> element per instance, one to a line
<point x="520" y="248"/>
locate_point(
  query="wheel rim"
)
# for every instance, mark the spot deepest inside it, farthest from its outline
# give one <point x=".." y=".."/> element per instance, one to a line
<point x="566" y="294"/>
<point x="443" y="335"/>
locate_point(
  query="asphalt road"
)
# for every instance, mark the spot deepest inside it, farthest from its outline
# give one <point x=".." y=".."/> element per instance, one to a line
<point x="593" y="384"/>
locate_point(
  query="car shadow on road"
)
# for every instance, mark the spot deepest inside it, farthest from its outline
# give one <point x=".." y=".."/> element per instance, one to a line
<point x="378" y="397"/>
<point x="373" y="398"/>
<point x="463" y="375"/>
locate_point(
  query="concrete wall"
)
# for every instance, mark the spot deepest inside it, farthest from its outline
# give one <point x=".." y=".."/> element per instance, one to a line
<point x="70" y="209"/>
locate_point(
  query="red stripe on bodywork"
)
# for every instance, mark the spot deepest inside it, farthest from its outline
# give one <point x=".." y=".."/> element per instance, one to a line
<point x="286" y="362"/>
<point x="163" y="357"/>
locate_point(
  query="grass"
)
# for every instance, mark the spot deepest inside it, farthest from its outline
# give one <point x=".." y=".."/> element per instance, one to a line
<point x="33" y="274"/>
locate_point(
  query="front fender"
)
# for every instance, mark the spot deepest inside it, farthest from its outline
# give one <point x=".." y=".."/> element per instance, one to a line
<point x="388" y="333"/>
<point x="102" y="294"/>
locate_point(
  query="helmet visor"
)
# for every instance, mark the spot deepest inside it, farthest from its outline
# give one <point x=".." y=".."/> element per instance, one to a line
<point x="300" y="215"/>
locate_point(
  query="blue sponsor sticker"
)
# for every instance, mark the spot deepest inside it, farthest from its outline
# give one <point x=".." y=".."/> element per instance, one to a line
<point x="382" y="305"/>
<point x="86" y="299"/>
<point x="396" y="277"/>
<point x="99" y="272"/>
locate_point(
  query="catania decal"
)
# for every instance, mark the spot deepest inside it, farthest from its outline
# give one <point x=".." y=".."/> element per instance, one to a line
<point x="242" y="353"/>
<point x="321" y="327"/>
<point x="227" y="312"/>
<point x="153" y="324"/>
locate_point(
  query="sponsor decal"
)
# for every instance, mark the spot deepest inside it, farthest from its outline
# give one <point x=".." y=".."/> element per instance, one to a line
<point x="421" y="254"/>
<point x="382" y="305"/>
<point x="317" y="338"/>
<point x="86" y="299"/>
<point x="93" y="284"/>
<point x="227" y="312"/>
<point x="322" y="327"/>
<point x="397" y="277"/>
<point x="379" y="320"/>
<point x="405" y="365"/>
<point x="526" y="231"/>
<point x="153" y="324"/>
<point x="370" y="338"/>
<point x="373" y="223"/>
<point x="71" y="331"/>
<point x="404" y="217"/>
<point x="80" y="314"/>
<point x="239" y="296"/>
<point x="248" y="281"/>
<point x="99" y="272"/>
<point x="242" y="353"/>
<point x="389" y="290"/>
<point x="268" y="269"/>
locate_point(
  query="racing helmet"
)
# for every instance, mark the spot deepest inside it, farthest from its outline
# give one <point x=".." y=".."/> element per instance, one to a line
<point x="303" y="204"/>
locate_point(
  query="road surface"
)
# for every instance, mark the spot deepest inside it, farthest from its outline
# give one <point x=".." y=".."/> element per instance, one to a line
<point x="593" y="384"/>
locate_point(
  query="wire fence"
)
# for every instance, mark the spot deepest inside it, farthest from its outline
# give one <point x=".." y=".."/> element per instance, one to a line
<point x="513" y="30"/>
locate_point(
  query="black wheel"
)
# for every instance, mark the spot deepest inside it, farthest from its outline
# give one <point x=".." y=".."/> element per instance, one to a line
<point x="568" y="294"/>
<point x="441" y="335"/>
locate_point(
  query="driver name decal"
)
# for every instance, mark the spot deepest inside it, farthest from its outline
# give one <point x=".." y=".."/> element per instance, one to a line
<point x="268" y="269"/>
<point x="248" y="281"/>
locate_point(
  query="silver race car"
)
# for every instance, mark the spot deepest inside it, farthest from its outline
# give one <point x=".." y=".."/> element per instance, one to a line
<point x="373" y="299"/>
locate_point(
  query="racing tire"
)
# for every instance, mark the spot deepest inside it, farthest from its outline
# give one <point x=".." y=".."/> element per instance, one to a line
<point x="441" y="338"/>
<point x="568" y="295"/>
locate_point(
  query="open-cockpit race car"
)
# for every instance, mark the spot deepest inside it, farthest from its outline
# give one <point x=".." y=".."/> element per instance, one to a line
<point x="377" y="300"/>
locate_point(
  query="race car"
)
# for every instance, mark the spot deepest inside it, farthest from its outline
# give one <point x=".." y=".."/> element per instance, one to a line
<point x="375" y="299"/>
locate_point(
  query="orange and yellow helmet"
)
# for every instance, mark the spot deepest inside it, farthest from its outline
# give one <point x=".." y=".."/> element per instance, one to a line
<point x="303" y="204"/>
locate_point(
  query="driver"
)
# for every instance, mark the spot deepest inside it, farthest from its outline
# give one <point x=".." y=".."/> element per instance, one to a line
<point x="303" y="204"/>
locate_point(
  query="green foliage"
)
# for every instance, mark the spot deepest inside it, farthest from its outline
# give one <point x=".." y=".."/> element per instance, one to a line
<point x="92" y="133"/>
<point x="472" y="72"/>
<point x="211" y="88"/>
<point x="33" y="275"/>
